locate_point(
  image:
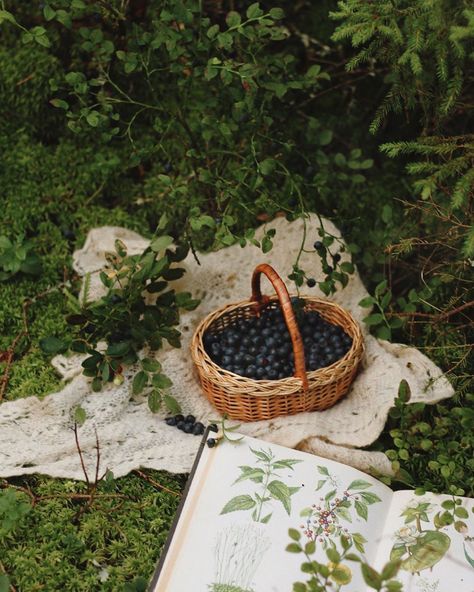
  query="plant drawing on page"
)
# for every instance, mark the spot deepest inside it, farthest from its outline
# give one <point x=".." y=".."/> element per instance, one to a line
<point x="238" y="552"/>
<point x="331" y="515"/>
<point x="265" y="473"/>
<point x="421" y="544"/>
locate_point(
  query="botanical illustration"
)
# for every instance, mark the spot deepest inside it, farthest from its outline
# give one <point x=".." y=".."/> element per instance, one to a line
<point x="266" y="474"/>
<point x="424" y="585"/>
<point x="420" y="544"/>
<point x="330" y="516"/>
<point x="238" y="553"/>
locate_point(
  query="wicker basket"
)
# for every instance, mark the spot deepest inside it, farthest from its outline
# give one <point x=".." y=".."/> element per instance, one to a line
<point x="247" y="399"/>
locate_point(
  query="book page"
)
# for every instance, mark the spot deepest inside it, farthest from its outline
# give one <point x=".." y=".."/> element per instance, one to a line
<point x="433" y="536"/>
<point x="233" y="531"/>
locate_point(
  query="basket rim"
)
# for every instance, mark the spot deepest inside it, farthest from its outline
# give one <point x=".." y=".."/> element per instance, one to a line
<point x="289" y="380"/>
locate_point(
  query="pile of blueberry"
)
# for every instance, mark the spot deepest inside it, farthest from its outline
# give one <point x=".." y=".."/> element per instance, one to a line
<point x="187" y="424"/>
<point x="261" y="348"/>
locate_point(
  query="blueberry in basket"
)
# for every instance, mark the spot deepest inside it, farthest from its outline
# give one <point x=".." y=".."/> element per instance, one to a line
<point x="261" y="348"/>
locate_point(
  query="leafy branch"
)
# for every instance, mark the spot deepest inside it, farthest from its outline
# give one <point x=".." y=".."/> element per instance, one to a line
<point x="114" y="329"/>
<point x="264" y="473"/>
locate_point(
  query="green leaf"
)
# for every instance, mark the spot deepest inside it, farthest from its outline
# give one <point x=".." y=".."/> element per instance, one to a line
<point x="7" y="16"/>
<point x="267" y="244"/>
<point x="461" y="512"/>
<point x="53" y="345"/>
<point x="371" y="577"/>
<point x="280" y="491"/>
<point x="294" y="548"/>
<point x="93" y="118"/>
<point x="79" y="415"/>
<point x="276" y="13"/>
<point x="359" y="541"/>
<point x="361" y="510"/>
<point x="383" y="333"/>
<point x="233" y="19"/>
<point x="154" y="401"/>
<point x="294" y="534"/>
<point x="374" y="319"/>
<point x="404" y="392"/>
<point x="59" y="103"/>
<point x="261" y="455"/>
<point x="322" y="470"/>
<point x="333" y="555"/>
<point x="171" y="404"/>
<point x="359" y="484"/>
<point x="213" y="31"/>
<point x="119" y="349"/>
<point x="161" y="243"/>
<point x="254" y="11"/>
<point x="390" y="570"/>
<point x="48" y="12"/>
<point x="150" y="365"/>
<point x="161" y="381"/>
<point x="238" y="503"/>
<point x="320" y="484"/>
<point x="310" y="547"/>
<point x="140" y="380"/>
<point x="370" y="498"/>
<point x="96" y="384"/>
<point x="251" y="474"/>
<point x="325" y="137"/>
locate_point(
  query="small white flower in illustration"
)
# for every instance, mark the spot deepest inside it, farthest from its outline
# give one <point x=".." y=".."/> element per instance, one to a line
<point x="406" y="535"/>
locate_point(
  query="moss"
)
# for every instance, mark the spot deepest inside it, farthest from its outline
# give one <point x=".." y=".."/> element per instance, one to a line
<point x="116" y="540"/>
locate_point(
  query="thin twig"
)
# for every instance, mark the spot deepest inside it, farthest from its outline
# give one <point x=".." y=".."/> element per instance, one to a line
<point x="155" y="483"/>
<point x="8" y="357"/>
<point x="79" y="450"/>
<point x="438" y="316"/>
<point x="26" y="79"/>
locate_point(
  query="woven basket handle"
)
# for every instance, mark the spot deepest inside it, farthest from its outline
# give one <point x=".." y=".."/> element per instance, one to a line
<point x="288" y="314"/>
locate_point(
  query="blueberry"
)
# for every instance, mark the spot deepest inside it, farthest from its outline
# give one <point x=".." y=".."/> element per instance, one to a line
<point x="336" y="258"/>
<point x="310" y="282"/>
<point x="213" y="427"/>
<point x="227" y="361"/>
<point x="328" y="269"/>
<point x="211" y="442"/>
<point x="188" y="428"/>
<point x="251" y="371"/>
<point x="180" y="425"/>
<point x="190" y="419"/>
<point x="115" y="299"/>
<point x="273" y="374"/>
<point x="318" y="245"/>
<point x="198" y="428"/>
<point x="171" y="421"/>
<point x="179" y="417"/>
<point x="261" y="372"/>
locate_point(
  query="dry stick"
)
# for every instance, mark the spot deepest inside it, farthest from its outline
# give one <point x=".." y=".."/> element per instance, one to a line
<point x="79" y="450"/>
<point x="436" y="317"/>
<point x="155" y="483"/>
<point x="9" y="359"/>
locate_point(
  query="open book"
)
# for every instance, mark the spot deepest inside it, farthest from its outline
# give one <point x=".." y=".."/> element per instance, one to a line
<point x="232" y="531"/>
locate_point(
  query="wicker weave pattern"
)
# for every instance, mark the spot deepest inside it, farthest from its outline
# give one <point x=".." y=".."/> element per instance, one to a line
<point x="246" y="399"/>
